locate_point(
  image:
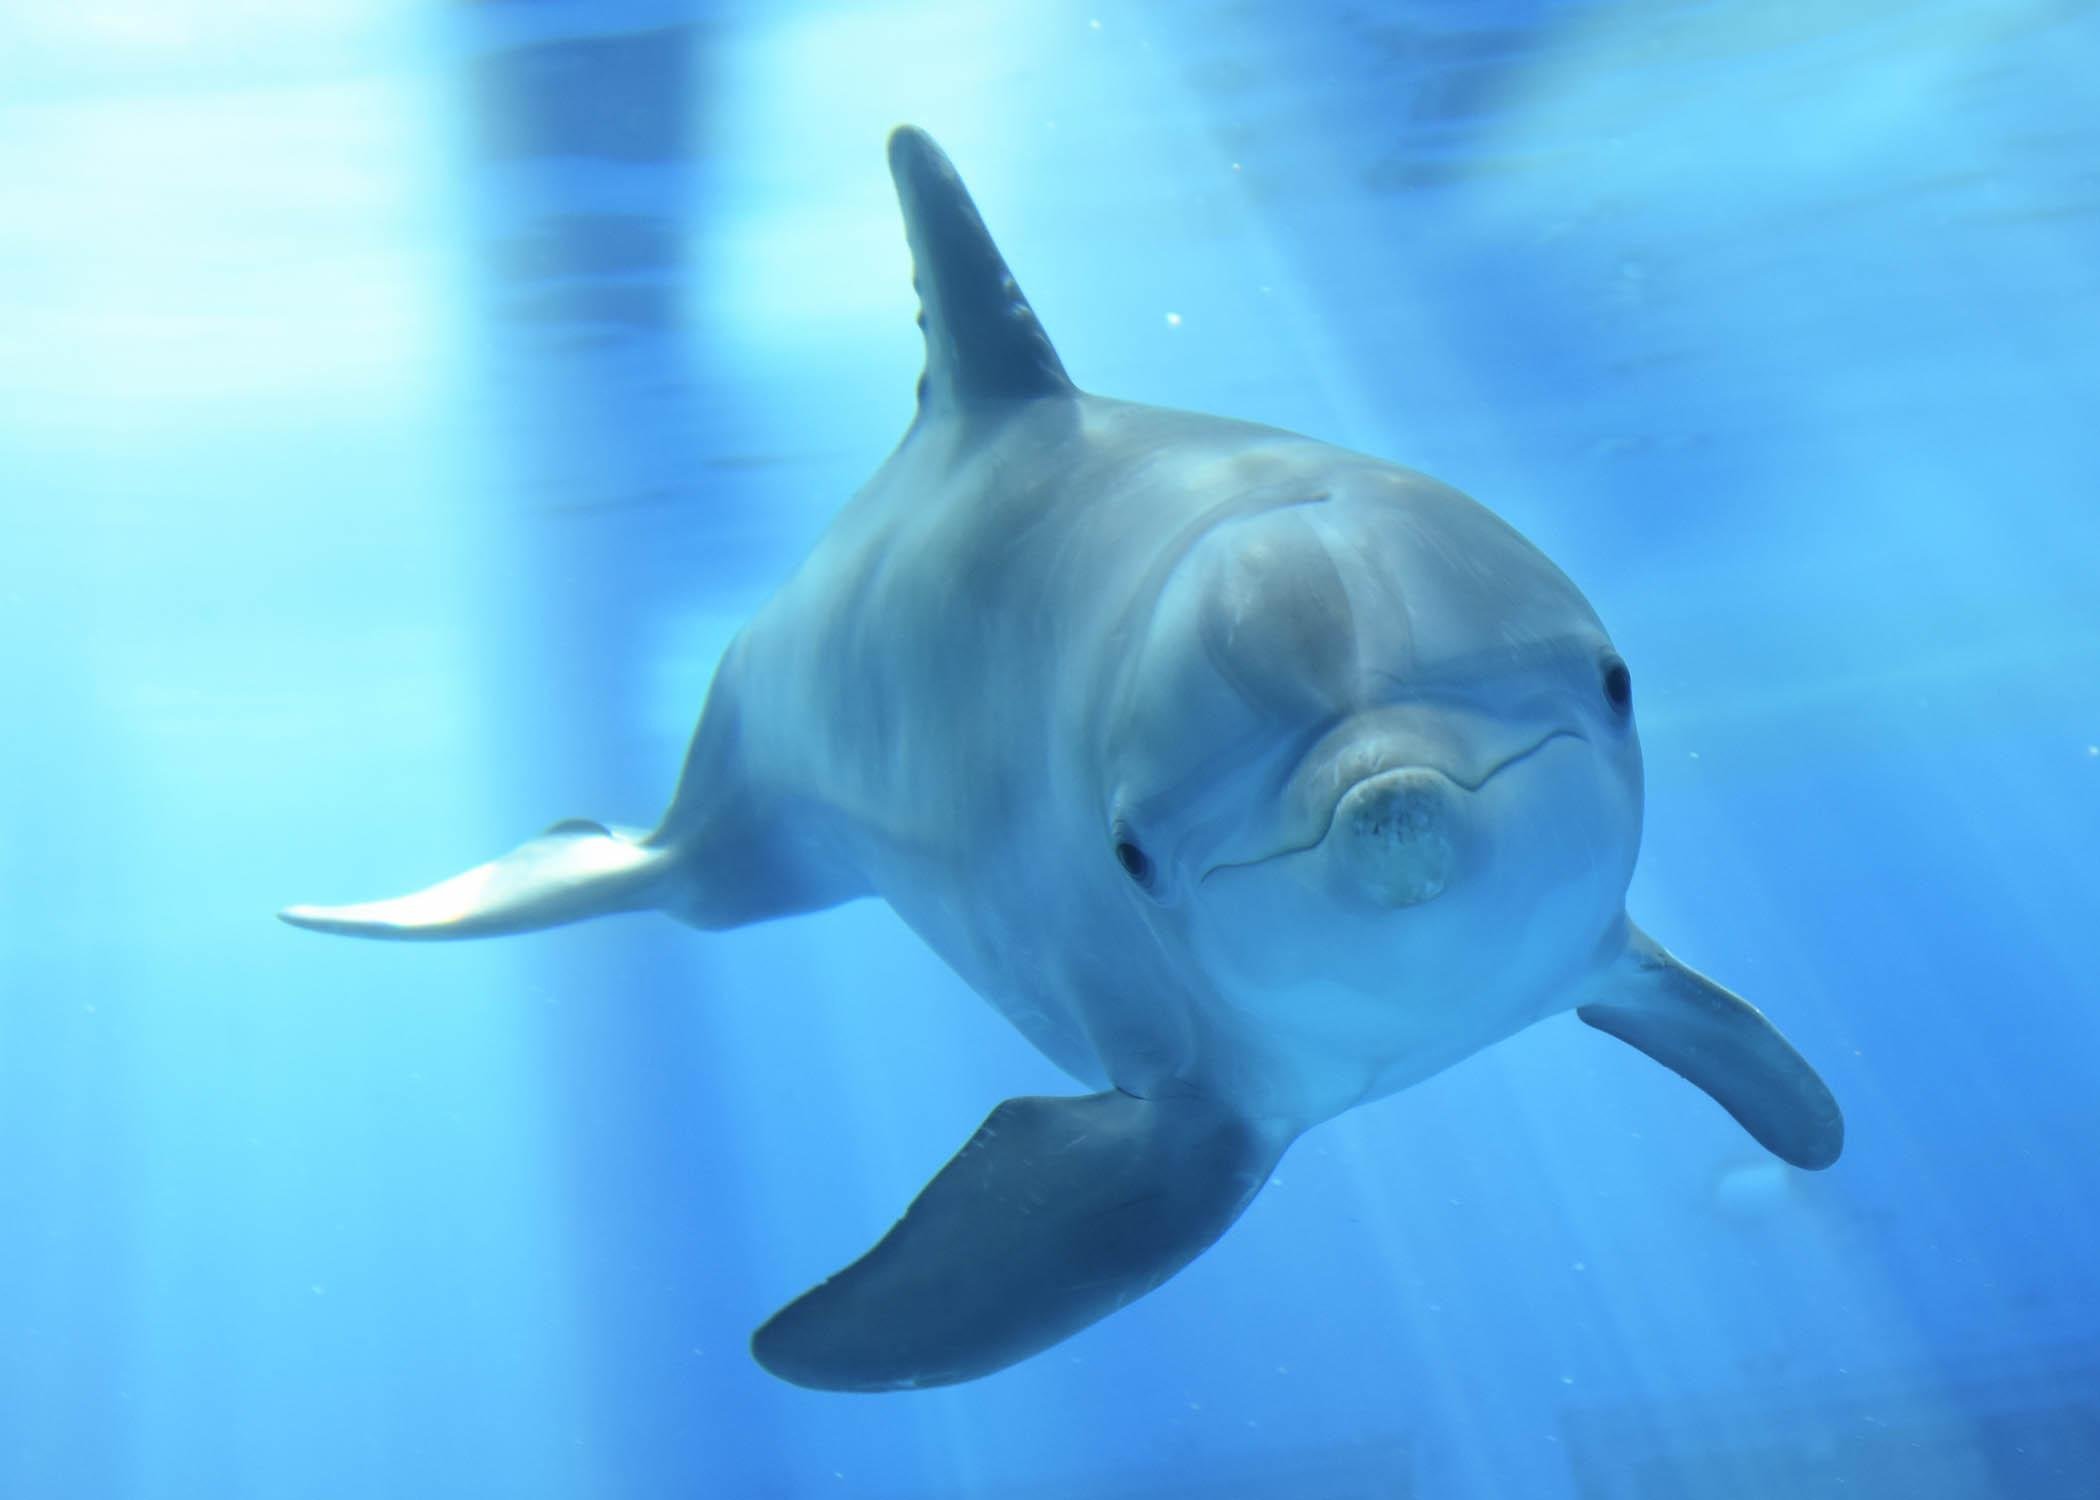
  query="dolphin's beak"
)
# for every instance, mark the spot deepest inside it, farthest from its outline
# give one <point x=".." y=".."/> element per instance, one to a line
<point x="1394" y="838"/>
<point x="1401" y="836"/>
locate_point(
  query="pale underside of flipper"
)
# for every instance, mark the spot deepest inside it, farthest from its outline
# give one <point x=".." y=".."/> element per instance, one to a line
<point x="1058" y="1212"/>
<point x="574" y="870"/>
<point x="1723" y="1043"/>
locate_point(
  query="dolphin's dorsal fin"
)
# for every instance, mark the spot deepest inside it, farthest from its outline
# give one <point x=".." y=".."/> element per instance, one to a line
<point x="983" y="343"/>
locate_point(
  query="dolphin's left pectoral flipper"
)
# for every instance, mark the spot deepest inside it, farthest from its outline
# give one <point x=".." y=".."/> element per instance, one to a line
<point x="1058" y="1212"/>
<point x="1723" y="1043"/>
<point x="574" y="870"/>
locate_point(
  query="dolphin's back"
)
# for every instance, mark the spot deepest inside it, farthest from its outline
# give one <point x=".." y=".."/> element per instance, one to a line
<point x="925" y="693"/>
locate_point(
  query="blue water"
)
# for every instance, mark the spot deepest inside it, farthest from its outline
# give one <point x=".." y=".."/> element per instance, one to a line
<point x="400" y="406"/>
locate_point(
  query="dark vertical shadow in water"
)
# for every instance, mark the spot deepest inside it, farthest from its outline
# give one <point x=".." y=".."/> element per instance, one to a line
<point x="583" y="155"/>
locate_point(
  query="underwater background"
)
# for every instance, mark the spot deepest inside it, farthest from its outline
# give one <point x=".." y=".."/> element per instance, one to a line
<point x="401" y="404"/>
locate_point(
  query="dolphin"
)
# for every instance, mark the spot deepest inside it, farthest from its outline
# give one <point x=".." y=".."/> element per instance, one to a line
<point x="1250" y="778"/>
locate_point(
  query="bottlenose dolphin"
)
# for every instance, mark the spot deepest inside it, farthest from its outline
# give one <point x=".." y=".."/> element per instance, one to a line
<point x="1250" y="778"/>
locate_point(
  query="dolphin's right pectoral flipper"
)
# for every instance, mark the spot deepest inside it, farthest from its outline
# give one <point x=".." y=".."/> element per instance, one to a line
<point x="576" y="869"/>
<point x="1058" y="1212"/>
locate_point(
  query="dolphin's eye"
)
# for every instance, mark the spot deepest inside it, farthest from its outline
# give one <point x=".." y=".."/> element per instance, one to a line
<point x="1618" y="685"/>
<point x="1135" y="862"/>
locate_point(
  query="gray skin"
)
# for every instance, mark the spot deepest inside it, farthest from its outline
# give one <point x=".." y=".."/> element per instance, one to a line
<point x="1250" y="778"/>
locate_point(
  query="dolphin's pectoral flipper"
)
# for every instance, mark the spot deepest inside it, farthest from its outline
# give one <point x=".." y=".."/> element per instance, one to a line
<point x="576" y="869"/>
<point x="1724" y="1044"/>
<point x="1058" y="1212"/>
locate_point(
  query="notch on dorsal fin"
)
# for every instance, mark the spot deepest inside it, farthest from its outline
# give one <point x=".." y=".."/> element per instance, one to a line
<point x="983" y="342"/>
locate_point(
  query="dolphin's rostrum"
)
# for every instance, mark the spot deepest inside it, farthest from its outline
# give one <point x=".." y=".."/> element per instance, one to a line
<point x="1250" y="778"/>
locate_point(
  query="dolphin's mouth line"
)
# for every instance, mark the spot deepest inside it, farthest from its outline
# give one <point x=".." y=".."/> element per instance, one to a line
<point x="1495" y="770"/>
<point x="1328" y="827"/>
